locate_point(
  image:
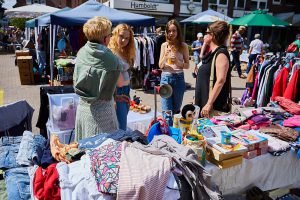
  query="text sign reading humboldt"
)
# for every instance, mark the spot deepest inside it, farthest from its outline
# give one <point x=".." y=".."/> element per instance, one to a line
<point x="142" y="5"/>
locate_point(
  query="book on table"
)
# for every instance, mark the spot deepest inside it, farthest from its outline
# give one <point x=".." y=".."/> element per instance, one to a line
<point x="231" y="148"/>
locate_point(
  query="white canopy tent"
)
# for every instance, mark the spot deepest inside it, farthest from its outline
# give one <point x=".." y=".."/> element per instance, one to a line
<point x="207" y="16"/>
<point x="29" y="11"/>
<point x="290" y="17"/>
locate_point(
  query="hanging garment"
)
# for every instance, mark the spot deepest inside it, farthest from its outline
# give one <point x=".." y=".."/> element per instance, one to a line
<point x="293" y="87"/>
<point x="280" y="83"/>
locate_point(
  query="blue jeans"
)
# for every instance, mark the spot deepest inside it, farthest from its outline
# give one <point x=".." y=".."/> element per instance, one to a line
<point x="119" y="135"/>
<point x="9" y="147"/>
<point x="252" y="58"/>
<point x="17" y="183"/>
<point x="42" y="61"/>
<point x="196" y="59"/>
<point x="122" y="107"/>
<point x="176" y="80"/>
<point x="31" y="149"/>
<point x="236" y="61"/>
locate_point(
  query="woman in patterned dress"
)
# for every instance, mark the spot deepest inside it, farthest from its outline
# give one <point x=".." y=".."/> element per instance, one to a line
<point x="95" y="79"/>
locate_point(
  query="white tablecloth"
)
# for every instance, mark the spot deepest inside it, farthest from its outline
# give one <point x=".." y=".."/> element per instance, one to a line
<point x="266" y="172"/>
<point x="140" y="122"/>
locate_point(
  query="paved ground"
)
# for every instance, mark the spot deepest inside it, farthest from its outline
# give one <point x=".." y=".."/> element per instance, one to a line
<point x="14" y="91"/>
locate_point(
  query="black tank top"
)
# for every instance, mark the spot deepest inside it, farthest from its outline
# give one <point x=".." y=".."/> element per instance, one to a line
<point x="202" y="83"/>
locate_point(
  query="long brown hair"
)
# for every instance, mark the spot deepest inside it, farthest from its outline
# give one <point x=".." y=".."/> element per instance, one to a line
<point x="178" y="42"/>
<point x="127" y="52"/>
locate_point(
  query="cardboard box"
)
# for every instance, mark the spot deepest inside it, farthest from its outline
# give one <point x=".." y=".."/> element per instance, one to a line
<point x="26" y="79"/>
<point x="22" y="53"/>
<point x="256" y="152"/>
<point x="230" y="162"/>
<point x="25" y="62"/>
<point x="217" y="155"/>
<point x="25" y="65"/>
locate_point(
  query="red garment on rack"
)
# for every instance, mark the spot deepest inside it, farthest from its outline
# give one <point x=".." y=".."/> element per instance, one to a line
<point x="46" y="183"/>
<point x="293" y="86"/>
<point x="280" y="83"/>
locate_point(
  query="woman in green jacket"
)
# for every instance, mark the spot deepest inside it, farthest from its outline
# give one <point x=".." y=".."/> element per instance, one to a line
<point x="95" y="79"/>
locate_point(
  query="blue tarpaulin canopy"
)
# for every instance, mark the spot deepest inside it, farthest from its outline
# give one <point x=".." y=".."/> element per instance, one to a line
<point x="79" y="15"/>
<point x="43" y="20"/>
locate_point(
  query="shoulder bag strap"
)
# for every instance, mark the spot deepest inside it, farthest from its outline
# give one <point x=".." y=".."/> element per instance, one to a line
<point x="212" y="73"/>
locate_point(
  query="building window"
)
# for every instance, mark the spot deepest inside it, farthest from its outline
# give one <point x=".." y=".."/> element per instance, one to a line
<point x="253" y="5"/>
<point x="276" y="1"/>
<point x="198" y="1"/>
<point x="223" y="2"/>
<point x="218" y="2"/>
<point x="240" y="3"/>
<point x="262" y="5"/>
<point x="28" y="2"/>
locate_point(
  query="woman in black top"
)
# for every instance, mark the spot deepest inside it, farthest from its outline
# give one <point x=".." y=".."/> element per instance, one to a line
<point x="218" y="99"/>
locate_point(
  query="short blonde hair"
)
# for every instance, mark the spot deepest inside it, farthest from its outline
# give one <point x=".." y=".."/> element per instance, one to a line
<point x="97" y="28"/>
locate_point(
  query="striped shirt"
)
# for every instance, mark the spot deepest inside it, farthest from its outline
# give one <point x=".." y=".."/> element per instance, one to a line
<point x="236" y="42"/>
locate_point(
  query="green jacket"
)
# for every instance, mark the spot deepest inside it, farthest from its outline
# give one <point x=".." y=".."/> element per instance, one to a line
<point x="96" y="72"/>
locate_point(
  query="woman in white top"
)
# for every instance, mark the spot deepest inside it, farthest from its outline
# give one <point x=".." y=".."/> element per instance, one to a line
<point x="122" y="44"/>
<point x="174" y="57"/>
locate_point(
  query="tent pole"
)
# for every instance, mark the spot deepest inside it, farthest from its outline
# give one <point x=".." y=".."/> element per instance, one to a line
<point x="184" y="31"/>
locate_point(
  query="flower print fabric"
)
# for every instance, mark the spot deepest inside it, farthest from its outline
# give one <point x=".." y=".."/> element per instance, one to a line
<point x="105" y="166"/>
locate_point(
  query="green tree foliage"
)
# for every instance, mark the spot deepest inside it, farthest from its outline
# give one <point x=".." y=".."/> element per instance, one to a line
<point x="18" y="22"/>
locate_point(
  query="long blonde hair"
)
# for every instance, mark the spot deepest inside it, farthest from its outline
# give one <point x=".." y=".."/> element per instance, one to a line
<point x="127" y="52"/>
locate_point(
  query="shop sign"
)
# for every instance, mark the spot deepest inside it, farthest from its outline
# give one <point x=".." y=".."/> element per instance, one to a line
<point x="142" y="5"/>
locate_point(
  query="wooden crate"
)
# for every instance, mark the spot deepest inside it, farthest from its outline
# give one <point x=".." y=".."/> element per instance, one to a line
<point x="22" y="53"/>
<point x="217" y="155"/>
<point x="230" y="162"/>
<point x="25" y="66"/>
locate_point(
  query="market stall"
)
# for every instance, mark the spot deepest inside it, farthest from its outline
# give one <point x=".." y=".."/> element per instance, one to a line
<point x="88" y="10"/>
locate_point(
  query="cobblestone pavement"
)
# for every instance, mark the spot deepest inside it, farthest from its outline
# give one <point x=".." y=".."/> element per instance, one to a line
<point x="14" y="91"/>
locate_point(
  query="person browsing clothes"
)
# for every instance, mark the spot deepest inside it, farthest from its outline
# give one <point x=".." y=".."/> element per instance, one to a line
<point x="196" y="48"/>
<point x="95" y="79"/>
<point x="122" y="45"/>
<point x="174" y="58"/>
<point x="212" y="97"/>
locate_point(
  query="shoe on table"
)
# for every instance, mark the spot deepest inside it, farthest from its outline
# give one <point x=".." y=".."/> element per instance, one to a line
<point x="242" y="76"/>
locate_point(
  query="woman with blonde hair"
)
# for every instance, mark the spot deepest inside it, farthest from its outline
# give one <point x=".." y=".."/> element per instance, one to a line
<point x="174" y="57"/>
<point x="122" y="45"/>
<point x="213" y="86"/>
<point x="95" y="78"/>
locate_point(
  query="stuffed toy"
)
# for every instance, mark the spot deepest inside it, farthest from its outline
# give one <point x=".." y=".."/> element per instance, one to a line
<point x="187" y="111"/>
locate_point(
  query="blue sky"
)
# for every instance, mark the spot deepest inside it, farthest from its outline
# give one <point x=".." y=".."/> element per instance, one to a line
<point x="9" y="4"/>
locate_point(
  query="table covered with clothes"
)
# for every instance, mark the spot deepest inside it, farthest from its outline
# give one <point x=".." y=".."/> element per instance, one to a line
<point x="106" y="166"/>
